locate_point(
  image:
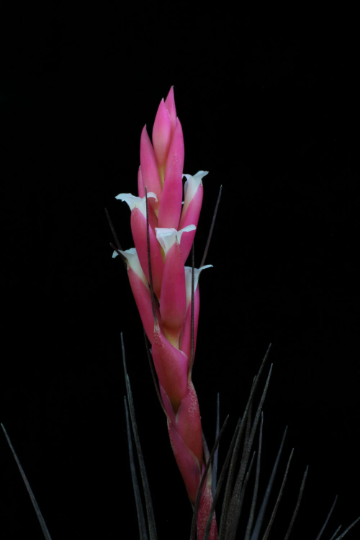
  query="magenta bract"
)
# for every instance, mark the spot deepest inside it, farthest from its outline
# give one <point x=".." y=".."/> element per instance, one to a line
<point x="172" y="227"/>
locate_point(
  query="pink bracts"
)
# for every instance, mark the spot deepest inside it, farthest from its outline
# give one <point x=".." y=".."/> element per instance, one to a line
<point x="172" y="227"/>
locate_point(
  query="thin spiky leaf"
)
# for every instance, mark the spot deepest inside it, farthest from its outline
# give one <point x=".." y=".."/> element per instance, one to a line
<point x="144" y="478"/>
<point x="202" y="481"/>
<point x="228" y="487"/>
<point x="228" y="490"/>
<point x="29" y="490"/>
<point x="259" y="519"/>
<point x="326" y="520"/>
<point x="139" y="506"/>
<point x="248" y="473"/>
<point x="216" y="456"/>
<point x="235" y="506"/>
<point x="247" y="432"/>
<point x="221" y="480"/>
<point x="272" y="517"/>
<point x="206" y="453"/>
<point x="242" y="459"/>
<point x="348" y="529"/>
<point x="206" y="448"/>
<point x="245" y="443"/>
<point x="118" y="245"/>
<point x="256" y="486"/>
<point x="301" y="492"/>
<point x="247" y="476"/>
<point x="211" y="228"/>
<point x="335" y="533"/>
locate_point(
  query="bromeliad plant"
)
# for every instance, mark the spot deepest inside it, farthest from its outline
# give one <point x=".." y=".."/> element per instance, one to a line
<point x="168" y="299"/>
<point x="167" y="296"/>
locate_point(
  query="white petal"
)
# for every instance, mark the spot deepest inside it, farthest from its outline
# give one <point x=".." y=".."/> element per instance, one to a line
<point x="132" y="260"/>
<point x="190" y="187"/>
<point x="167" y="237"/>
<point x="188" y="273"/>
<point x="135" y="202"/>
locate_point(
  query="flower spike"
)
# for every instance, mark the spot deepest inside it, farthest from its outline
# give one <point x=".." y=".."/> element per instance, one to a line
<point x="163" y="228"/>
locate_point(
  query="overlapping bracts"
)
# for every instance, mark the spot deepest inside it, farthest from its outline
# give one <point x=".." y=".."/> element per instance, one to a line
<point x="172" y="226"/>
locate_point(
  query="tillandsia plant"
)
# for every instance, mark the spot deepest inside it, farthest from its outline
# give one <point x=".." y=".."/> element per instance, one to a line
<point x="168" y="299"/>
<point x="167" y="295"/>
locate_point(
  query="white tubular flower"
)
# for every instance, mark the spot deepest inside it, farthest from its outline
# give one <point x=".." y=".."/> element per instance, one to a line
<point x="168" y="237"/>
<point x="136" y="202"/>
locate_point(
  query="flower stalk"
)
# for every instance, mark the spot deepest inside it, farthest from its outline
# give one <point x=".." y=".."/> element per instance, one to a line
<point x="166" y="292"/>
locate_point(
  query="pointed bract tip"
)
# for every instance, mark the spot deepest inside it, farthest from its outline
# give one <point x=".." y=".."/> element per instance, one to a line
<point x="170" y="93"/>
<point x="170" y="105"/>
<point x="161" y="134"/>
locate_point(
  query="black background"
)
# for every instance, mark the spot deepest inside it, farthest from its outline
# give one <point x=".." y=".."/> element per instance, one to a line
<point x="269" y="105"/>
